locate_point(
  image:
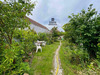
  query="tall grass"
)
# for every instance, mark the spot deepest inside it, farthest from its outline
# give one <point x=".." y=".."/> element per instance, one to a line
<point x="72" y="58"/>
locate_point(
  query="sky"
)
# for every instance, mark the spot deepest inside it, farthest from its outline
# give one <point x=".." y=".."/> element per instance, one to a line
<point x="60" y="10"/>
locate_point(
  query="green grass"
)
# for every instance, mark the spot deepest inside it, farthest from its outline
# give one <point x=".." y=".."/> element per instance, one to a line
<point x="65" y="54"/>
<point x="42" y="63"/>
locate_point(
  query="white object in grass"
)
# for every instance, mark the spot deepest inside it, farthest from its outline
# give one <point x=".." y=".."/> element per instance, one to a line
<point x="38" y="47"/>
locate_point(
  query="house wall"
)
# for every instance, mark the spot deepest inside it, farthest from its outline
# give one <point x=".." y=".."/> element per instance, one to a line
<point x="38" y="29"/>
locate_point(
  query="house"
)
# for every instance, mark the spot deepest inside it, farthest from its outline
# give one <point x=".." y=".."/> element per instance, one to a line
<point x="39" y="28"/>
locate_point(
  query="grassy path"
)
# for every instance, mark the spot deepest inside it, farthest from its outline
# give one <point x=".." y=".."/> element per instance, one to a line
<point x="42" y="62"/>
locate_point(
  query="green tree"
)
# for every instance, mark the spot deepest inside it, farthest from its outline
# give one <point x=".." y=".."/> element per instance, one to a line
<point x="12" y="16"/>
<point x="84" y="28"/>
<point x="55" y="32"/>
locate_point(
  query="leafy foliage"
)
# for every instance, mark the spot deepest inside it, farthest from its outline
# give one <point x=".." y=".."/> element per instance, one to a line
<point x="45" y="37"/>
<point x="98" y="52"/>
<point x="84" y="28"/>
<point x="12" y="17"/>
<point x="55" y="33"/>
<point x="12" y="60"/>
<point x="26" y="38"/>
<point x="75" y="60"/>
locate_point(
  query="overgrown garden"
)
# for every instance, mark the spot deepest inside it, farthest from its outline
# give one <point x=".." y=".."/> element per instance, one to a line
<point x="82" y="46"/>
<point x="17" y="44"/>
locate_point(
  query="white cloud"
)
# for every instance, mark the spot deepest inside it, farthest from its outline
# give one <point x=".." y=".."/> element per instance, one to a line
<point x="59" y="9"/>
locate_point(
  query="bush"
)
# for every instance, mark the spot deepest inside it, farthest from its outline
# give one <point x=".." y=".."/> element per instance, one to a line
<point x="84" y="28"/>
<point x="98" y="53"/>
<point x="26" y="39"/>
<point x="11" y="52"/>
<point x="14" y="56"/>
<point x="12" y="59"/>
<point x="79" y="56"/>
<point x="46" y="37"/>
<point x="42" y="37"/>
<point x="76" y="54"/>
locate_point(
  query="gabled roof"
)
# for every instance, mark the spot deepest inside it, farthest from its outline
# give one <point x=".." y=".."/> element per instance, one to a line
<point x="37" y="24"/>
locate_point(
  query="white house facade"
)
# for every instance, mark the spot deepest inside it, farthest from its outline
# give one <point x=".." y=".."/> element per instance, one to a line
<point x="38" y="27"/>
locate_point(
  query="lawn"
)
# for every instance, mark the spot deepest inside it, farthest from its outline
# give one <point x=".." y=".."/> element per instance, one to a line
<point x="42" y="63"/>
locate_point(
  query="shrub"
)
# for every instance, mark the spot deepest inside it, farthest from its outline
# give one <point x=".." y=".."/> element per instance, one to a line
<point x="79" y="56"/>
<point x="11" y="62"/>
<point x="45" y="37"/>
<point x="84" y="28"/>
<point x="76" y="54"/>
<point x="11" y="52"/>
<point x="26" y="39"/>
<point x="42" y="37"/>
<point x="98" y="53"/>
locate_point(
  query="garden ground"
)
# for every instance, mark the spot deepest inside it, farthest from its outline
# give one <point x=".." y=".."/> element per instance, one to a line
<point x="42" y="63"/>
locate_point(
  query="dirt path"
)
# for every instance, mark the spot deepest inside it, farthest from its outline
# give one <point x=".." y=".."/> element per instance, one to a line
<point x="57" y="64"/>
